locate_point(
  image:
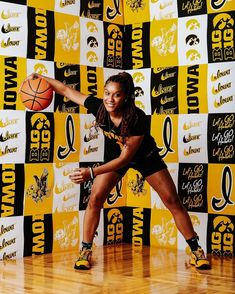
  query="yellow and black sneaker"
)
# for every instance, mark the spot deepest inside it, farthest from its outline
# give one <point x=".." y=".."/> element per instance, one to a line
<point x="84" y="260"/>
<point x="199" y="259"/>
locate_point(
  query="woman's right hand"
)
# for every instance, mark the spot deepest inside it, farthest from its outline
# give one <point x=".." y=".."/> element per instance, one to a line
<point x="32" y="76"/>
<point x="60" y="88"/>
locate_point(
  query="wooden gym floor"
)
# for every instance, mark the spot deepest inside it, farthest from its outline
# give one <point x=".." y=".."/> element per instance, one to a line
<point x="117" y="269"/>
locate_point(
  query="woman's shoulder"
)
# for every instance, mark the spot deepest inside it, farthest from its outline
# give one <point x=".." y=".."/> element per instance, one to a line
<point x="140" y="113"/>
<point x="92" y="102"/>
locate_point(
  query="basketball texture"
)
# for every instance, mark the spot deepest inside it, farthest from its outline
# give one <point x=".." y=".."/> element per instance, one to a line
<point x="36" y="94"/>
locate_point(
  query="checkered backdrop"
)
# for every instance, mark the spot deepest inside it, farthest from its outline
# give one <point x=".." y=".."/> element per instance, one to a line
<point x="181" y="56"/>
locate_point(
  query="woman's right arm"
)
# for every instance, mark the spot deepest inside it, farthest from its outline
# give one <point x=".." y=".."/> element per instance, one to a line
<point x="60" y="88"/>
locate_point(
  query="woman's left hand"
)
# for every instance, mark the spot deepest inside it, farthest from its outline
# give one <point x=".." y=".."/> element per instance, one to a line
<point x="80" y="175"/>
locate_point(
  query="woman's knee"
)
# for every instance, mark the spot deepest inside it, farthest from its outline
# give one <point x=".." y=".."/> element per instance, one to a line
<point x="172" y="202"/>
<point x="96" y="201"/>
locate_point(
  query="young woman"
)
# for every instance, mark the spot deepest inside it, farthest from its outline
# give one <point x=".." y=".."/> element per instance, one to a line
<point x="127" y="144"/>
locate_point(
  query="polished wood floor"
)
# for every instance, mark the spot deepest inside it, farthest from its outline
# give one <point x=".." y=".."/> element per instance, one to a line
<point x="118" y="269"/>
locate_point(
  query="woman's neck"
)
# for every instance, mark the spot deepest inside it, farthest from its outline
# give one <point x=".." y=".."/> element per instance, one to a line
<point x="116" y="118"/>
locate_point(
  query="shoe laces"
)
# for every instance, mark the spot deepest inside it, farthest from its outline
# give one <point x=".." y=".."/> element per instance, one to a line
<point x="199" y="253"/>
<point x="84" y="254"/>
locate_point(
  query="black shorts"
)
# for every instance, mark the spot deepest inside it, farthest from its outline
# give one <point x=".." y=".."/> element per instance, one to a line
<point x="147" y="165"/>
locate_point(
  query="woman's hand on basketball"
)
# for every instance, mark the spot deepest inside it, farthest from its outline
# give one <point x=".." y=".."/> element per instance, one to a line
<point x="32" y="76"/>
<point x="80" y="175"/>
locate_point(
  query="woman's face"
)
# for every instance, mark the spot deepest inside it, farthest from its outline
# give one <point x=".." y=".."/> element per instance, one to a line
<point x="113" y="97"/>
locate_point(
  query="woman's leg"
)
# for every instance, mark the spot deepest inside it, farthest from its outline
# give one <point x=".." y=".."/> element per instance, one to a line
<point x="163" y="184"/>
<point x="102" y="186"/>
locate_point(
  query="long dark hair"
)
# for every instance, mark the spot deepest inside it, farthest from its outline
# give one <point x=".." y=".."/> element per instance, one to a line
<point x="128" y="111"/>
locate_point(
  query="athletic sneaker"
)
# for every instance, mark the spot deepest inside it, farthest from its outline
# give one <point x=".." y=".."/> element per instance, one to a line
<point x="199" y="259"/>
<point x="84" y="260"/>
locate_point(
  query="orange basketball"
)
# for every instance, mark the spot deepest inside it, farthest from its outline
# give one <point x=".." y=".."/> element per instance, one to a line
<point x="36" y="94"/>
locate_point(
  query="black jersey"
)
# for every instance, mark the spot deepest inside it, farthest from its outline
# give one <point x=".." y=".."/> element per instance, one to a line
<point x="113" y="139"/>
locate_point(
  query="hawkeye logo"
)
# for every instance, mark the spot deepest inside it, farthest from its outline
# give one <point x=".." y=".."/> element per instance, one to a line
<point x="8" y="29"/>
<point x="38" y="230"/>
<point x="64" y="3"/>
<point x="137" y="45"/>
<point x="219" y="204"/>
<point x="91" y="27"/>
<point x="222" y="236"/>
<point x="92" y="42"/>
<point x="222" y="37"/>
<point x="40" y="69"/>
<point x="192" y="40"/>
<point x="193" y="24"/>
<point x="91" y="56"/>
<point x="40" y="138"/>
<point x="138" y="77"/>
<point x="193" y="55"/>
<point x="10" y="14"/>
<point x="139" y="92"/>
<point x="115" y="226"/>
<point x="114" y="44"/>
<point x="8" y="190"/>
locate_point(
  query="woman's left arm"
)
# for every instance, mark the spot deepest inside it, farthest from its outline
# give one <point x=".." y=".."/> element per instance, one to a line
<point x="128" y="151"/>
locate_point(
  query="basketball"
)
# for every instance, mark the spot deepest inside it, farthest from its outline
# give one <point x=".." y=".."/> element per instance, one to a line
<point x="36" y="94"/>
